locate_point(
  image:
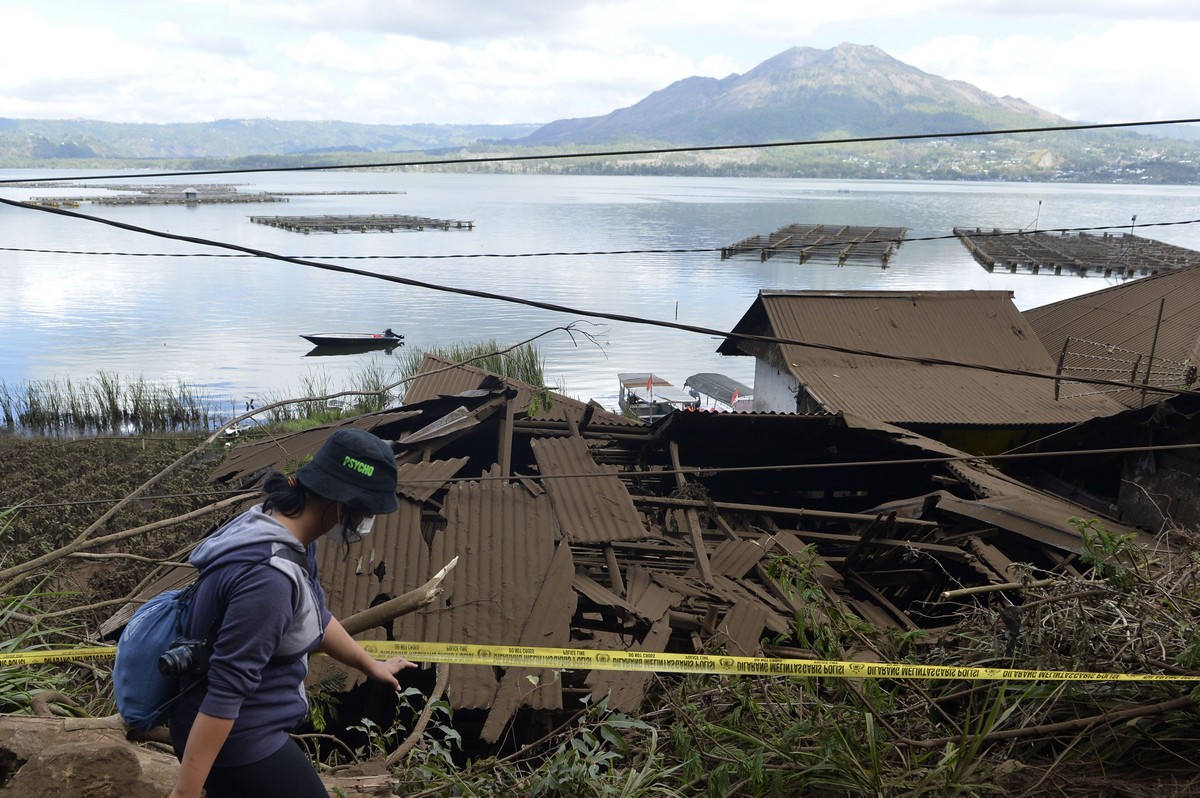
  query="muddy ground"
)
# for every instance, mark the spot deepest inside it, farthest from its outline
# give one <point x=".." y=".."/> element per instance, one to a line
<point x="51" y="490"/>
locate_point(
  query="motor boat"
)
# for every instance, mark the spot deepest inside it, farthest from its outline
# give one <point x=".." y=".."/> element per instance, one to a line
<point x="384" y="340"/>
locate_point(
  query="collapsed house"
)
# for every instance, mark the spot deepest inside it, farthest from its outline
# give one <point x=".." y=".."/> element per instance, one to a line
<point x="576" y="527"/>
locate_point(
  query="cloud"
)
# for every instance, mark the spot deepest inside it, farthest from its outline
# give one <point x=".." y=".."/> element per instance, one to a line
<point x="467" y="61"/>
<point x="1129" y="71"/>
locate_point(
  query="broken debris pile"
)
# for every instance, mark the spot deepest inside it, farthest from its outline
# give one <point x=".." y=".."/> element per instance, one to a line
<point x="578" y="527"/>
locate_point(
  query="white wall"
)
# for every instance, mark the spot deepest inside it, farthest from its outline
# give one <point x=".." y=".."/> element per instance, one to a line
<point x="774" y="391"/>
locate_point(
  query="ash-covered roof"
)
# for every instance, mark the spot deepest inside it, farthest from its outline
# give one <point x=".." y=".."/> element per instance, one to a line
<point x="845" y="369"/>
<point x="439" y="377"/>
<point x="1145" y="331"/>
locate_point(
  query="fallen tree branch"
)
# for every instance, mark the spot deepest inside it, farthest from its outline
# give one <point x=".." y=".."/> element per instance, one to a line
<point x="1079" y="724"/>
<point x="411" y="601"/>
<point x="16" y="573"/>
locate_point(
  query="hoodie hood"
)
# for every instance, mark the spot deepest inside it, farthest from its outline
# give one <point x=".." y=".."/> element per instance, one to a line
<point x="236" y="541"/>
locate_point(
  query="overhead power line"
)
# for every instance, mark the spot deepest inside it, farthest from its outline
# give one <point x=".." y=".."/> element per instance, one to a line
<point x="598" y="252"/>
<point x="557" y="308"/>
<point x="618" y="153"/>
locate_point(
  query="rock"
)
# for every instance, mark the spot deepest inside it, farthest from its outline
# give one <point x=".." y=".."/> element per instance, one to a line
<point x="46" y="758"/>
<point x="39" y="758"/>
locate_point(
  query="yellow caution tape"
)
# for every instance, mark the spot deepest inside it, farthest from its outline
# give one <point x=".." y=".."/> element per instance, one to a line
<point x="592" y="659"/>
<point x="605" y="660"/>
<point x="58" y="655"/>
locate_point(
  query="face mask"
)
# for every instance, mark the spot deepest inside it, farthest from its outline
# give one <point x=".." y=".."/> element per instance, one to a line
<point x="345" y="531"/>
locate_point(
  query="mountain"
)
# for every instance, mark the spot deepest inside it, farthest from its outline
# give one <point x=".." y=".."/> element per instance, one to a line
<point x="41" y="139"/>
<point x="802" y="93"/>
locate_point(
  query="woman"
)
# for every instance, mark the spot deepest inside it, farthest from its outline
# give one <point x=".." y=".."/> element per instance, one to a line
<point x="263" y="611"/>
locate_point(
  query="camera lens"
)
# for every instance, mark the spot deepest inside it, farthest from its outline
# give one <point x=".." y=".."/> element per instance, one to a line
<point x="185" y="658"/>
<point x="175" y="661"/>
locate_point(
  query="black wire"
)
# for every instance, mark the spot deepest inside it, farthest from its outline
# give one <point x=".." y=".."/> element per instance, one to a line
<point x="614" y="153"/>
<point x="587" y="253"/>
<point x="556" y="308"/>
<point x="701" y="470"/>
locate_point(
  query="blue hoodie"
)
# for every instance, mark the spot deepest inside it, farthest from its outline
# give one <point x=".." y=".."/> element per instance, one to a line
<point x="275" y="615"/>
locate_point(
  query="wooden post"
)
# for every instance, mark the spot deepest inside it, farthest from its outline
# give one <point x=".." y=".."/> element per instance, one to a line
<point x="693" y="522"/>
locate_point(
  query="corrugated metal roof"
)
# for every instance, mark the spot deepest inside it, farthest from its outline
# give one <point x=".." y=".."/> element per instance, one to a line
<point x="593" y="505"/>
<point x="513" y="584"/>
<point x="419" y="481"/>
<point x="279" y="450"/>
<point x="977" y="327"/>
<point x="549" y="624"/>
<point x="1015" y="506"/>
<point x="1123" y="321"/>
<point x="736" y="557"/>
<point x="438" y="377"/>
<point x="504" y="538"/>
<point x="389" y="562"/>
<point x="742" y="628"/>
<point x="625" y="691"/>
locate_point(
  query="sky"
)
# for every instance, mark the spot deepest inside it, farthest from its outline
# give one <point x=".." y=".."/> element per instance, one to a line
<point x="533" y="61"/>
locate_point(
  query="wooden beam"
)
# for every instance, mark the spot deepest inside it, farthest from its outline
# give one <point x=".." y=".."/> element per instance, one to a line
<point x="693" y="521"/>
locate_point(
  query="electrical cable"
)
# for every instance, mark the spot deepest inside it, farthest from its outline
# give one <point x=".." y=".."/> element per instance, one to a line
<point x="557" y="308"/>
<point x="599" y="252"/>
<point x="616" y="153"/>
<point x="694" y="471"/>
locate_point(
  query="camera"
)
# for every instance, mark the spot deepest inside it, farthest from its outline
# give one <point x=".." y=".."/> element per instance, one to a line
<point x="185" y="658"/>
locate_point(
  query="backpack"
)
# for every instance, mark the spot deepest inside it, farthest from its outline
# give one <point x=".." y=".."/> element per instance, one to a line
<point x="144" y="695"/>
<point x="144" y="692"/>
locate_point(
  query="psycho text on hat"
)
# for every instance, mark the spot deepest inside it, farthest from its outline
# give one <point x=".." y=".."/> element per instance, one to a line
<point x="365" y="469"/>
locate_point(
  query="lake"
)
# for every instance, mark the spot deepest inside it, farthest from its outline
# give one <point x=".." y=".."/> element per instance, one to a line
<point x="231" y="325"/>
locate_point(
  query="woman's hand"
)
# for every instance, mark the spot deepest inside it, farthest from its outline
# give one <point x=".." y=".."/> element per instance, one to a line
<point x="386" y="670"/>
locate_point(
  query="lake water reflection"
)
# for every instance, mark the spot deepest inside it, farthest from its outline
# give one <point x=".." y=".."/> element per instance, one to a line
<point x="233" y="324"/>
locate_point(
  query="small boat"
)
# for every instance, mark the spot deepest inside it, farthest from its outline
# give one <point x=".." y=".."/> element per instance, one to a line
<point x="384" y="340"/>
<point x="649" y="397"/>
<point x="720" y="392"/>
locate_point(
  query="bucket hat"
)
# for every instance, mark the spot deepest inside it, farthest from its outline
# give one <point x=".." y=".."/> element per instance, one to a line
<point x="355" y="468"/>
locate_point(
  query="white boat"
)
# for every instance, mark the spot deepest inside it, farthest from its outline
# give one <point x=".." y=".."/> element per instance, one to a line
<point x="649" y="397"/>
<point x="720" y="392"/>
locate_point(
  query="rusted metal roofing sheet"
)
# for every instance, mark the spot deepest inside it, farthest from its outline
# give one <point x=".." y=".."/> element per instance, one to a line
<point x="1014" y="506"/>
<point x="601" y="596"/>
<point x="625" y="691"/>
<point x="742" y="628"/>
<point x="976" y="327"/>
<point x="1114" y="331"/>
<point x="548" y="624"/>
<point x="736" y="557"/>
<point x="454" y="422"/>
<point x="652" y="600"/>
<point x="419" y="481"/>
<point x="504" y="539"/>
<point x="438" y="377"/>
<point x="277" y="451"/>
<point x="593" y="504"/>
<point x="389" y="562"/>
